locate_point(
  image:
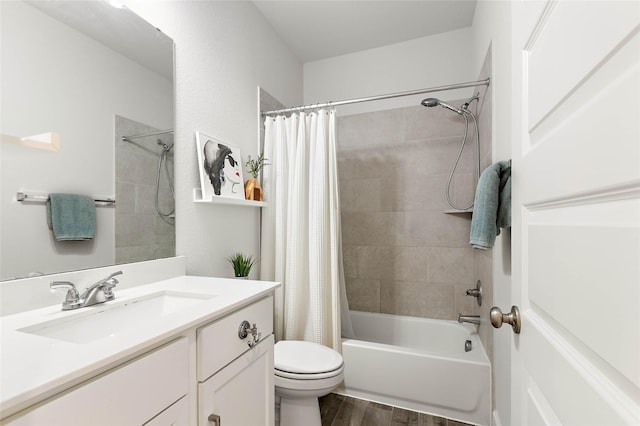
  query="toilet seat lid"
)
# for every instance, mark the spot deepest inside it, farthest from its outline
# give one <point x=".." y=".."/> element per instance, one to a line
<point x="300" y="357"/>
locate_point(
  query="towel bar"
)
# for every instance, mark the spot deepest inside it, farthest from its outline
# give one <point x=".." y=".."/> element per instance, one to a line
<point x="21" y="196"/>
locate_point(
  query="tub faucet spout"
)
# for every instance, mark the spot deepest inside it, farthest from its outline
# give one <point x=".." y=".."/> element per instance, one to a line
<point x="472" y="319"/>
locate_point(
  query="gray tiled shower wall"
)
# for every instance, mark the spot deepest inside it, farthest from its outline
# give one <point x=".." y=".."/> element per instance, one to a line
<point x="402" y="254"/>
<point x="141" y="234"/>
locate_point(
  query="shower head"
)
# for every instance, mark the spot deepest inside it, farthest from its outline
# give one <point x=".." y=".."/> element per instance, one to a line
<point x="431" y="102"/>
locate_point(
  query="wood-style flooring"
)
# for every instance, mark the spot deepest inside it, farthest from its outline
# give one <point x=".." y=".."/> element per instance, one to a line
<point x="339" y="410"/>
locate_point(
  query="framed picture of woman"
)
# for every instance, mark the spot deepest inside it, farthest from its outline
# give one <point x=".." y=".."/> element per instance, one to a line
<point x="220" y="166"/>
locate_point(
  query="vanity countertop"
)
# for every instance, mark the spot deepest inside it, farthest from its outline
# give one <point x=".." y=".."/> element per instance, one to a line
<point x="34" y="367"/>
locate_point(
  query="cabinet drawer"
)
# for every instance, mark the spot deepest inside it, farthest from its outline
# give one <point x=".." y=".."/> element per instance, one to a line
<point x="219" y="344"/>
<point x="127" y="395"/>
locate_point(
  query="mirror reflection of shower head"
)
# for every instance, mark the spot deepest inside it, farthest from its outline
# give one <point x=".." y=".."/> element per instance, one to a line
<point x="431" y="102"/>
<point x="165" y="147"/>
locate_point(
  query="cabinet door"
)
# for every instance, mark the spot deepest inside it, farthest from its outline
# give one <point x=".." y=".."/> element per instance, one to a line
<point x="242" y="393"/>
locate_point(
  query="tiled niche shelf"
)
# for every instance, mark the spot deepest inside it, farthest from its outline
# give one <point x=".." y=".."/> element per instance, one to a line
<point x="454" y="211"/>
<point x="197" y="198"/>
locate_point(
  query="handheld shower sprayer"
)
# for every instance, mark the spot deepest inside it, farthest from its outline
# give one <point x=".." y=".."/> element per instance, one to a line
<point x="431" y="102"/>
<point x="465" y="113"/>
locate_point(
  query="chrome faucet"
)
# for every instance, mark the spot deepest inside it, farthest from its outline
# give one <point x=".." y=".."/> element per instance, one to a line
<point x="472" y="319"/>
<point x="100" y="292"/>
<point x="72" y="301"/>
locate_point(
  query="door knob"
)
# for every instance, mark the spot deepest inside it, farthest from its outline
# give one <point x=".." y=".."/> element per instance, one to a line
<point x="513" y="318"/>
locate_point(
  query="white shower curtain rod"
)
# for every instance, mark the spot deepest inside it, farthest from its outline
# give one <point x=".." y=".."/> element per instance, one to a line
<point x="485" y="82"/>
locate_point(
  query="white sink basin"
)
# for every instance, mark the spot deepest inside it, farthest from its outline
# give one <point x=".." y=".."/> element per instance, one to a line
<point x="103" y="321"/>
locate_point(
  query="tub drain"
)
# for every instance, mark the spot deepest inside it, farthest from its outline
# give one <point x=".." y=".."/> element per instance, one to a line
<point x="467" y="345"/>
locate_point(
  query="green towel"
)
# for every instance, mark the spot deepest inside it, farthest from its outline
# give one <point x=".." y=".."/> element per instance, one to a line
<point x="72" y="217"/>
<point x="492" y="205"/>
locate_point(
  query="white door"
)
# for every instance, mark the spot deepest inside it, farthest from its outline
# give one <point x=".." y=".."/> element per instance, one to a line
<point x="576" y="212"/>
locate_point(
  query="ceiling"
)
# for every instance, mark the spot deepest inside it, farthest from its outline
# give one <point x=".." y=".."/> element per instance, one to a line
<point x="119" y="29"/>
<point x="317" y="30"/>
<point x="313" y="29"/>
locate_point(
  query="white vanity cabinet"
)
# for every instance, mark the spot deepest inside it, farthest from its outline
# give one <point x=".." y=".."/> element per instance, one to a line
<point x="131" y="394"/>
<point x="242" y="393"/>
<point x="182" y="368"/>
<point x="176" y="415"/>
<point x="239" y="393"/>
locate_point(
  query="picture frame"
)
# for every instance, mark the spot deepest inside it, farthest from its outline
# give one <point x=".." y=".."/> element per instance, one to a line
<point x="220" y="167"/>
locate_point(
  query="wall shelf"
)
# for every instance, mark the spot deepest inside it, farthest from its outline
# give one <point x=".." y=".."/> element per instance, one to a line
<point x="197" y="198"/>
<point x="454" y="211"/>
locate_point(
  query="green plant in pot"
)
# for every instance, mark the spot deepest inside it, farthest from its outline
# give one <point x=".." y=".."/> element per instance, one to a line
<point x="242" y="264"/>
<point x="252" y="189"/>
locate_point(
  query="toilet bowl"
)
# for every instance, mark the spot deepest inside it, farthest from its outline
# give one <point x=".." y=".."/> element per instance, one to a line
<point x="303" y="372"/>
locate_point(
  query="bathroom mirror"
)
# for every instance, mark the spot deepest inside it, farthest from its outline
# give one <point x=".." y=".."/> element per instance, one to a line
<point x="90" y="73"/>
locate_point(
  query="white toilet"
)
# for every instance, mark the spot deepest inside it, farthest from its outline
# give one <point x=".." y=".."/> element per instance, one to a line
<point x="304" y="371"/>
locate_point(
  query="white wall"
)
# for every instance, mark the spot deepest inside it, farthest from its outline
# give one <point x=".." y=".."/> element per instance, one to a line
<point x="425" y="62"/>
<point x="223" y="51"/>
<point x="492" y="27"/>
<point x="56" y="79"/>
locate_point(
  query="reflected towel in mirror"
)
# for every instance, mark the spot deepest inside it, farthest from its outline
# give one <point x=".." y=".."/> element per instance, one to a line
<point x="71" y="217"/>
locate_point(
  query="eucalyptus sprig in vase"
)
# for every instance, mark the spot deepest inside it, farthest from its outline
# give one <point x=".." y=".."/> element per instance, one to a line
<point x="242" y="264"/>
<point x="252" y="189"/>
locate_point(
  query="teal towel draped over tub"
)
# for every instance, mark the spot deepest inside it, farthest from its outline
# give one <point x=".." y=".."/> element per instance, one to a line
<point x="72" y="217"/>
<point x="492" y="205"/>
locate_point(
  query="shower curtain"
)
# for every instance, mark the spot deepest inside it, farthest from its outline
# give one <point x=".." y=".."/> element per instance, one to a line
<point x="301" y="236"/>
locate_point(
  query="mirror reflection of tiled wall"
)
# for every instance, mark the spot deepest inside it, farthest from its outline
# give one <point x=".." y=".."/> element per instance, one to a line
<point x="141" y="234"/>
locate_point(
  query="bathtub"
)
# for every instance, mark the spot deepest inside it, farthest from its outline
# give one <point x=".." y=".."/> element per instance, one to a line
<point x="418" y="364"/>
